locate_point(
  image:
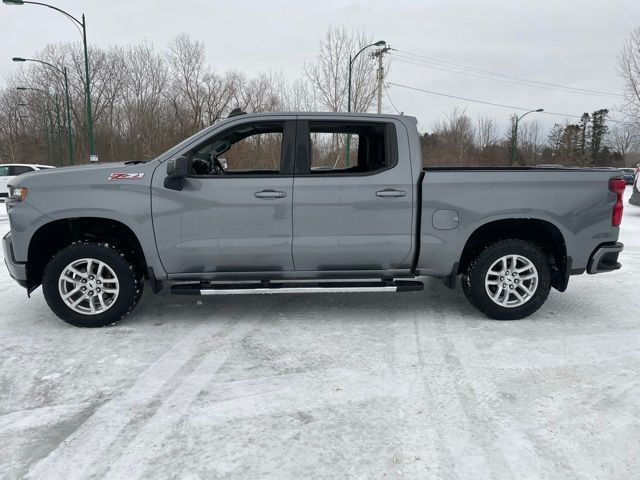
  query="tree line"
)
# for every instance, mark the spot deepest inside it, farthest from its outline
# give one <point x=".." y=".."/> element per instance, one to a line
<point x="457" y="141"/>
<point x="145" y="101"/>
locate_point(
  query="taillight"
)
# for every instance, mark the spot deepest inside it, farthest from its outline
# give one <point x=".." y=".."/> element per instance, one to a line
<point x="617" y="186"/>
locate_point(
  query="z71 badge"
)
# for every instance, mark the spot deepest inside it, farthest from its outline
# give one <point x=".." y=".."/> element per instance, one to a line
<point x="126" y="176"/>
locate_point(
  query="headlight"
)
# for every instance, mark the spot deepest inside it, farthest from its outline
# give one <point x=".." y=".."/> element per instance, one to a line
<point x="17" y="194"/>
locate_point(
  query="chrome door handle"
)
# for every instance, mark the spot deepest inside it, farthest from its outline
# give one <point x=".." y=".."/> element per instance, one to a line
<point x="270" y="194"/>
<point x="391" y="193"/>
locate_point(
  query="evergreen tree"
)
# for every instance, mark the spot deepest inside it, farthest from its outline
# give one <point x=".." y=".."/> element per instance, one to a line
<point x="570" y="147"/>
<point x="585" y="120"/>
<point x="599" y="130"/>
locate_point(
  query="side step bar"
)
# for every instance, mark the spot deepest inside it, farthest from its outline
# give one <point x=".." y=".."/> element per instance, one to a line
<point x="296" y="287"/>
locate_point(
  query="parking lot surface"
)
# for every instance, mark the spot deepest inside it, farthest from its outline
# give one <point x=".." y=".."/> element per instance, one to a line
<point x="413" y="385"/>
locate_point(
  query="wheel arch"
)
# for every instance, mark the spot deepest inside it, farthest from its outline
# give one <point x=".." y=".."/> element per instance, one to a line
<point x="541" y="232"/>
<point x="57" y="234"/>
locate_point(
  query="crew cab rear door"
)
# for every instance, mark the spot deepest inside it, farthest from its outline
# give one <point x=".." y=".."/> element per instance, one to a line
<point x="236" y="220"/>
<point x="353" y="196"/>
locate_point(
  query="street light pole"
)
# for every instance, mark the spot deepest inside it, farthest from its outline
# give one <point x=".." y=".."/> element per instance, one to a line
<point x="352" y="59"/>
<point x="63" y="71"/>
<point x="88" y="88"/>
<point x="82" y="25"/>
<point x="514" y="142"/>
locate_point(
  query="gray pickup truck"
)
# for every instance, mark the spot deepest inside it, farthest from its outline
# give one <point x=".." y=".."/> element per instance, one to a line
<point x="306" y="202"/>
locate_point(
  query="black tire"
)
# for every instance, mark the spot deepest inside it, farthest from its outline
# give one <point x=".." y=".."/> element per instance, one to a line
<point x="130" y="284"/>
<point x="473" y="280"/>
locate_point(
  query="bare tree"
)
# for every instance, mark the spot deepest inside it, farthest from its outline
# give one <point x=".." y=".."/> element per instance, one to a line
<point x="486" y="133"/>
<point x="218" y="95"/>
<point x="530" y="141"/>
<point x="623" y="139"/>
<point x="629" y="70"/>
<point x="143" y="105"/>
<point x="298" y="96"/>
<point x="189" y="77"/>
<point x="455" y="135"/>
<point x="330" y="73"/>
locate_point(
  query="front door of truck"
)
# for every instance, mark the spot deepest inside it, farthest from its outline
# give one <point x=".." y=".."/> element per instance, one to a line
<point x="234" y="211"/>
<point x="353" y="198"/>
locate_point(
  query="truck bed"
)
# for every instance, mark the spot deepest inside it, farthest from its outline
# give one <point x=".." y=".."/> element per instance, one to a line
<point x="458" y="201"/>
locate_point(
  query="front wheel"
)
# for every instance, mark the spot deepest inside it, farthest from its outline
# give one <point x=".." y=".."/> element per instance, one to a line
<point x="91" y="285"/>
<point x="508" y="280"/>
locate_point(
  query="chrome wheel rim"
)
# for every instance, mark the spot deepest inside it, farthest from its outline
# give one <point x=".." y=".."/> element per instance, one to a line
<point x="88" y="286"/>
<point x="511" y="281"/>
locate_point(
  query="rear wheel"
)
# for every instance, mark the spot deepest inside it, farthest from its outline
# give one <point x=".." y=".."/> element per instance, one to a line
<point x="91" y="285"/>
<point x="508" y="280"/>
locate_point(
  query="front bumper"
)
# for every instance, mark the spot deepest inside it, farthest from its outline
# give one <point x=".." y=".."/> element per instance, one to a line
<point x="18" y="271"/>
<point x="605" y="258"/>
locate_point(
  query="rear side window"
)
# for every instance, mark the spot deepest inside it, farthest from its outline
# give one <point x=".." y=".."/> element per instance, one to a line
<point x="20" y="169"/>
<point x="346" y="148"/>
<point x="4" y="171"/>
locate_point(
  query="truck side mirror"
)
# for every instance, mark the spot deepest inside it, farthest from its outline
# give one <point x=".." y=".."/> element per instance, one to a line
<point x="177" y="171"/>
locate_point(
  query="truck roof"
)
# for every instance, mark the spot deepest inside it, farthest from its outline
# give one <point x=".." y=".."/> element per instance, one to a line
<point x="323" y="114"/>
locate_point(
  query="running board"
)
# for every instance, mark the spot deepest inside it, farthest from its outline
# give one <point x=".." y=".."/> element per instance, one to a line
<point x="296" y="287"/>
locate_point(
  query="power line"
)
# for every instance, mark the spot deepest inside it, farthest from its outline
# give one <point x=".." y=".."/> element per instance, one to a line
<point x="475" y="100"/>
<point x="386" y="90"/>
<point x="431" y="60"/>
<point x="484" y="102"/>
<point x="408" y="60"/>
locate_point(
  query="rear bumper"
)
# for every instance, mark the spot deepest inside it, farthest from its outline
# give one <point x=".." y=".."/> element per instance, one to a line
<point x="18" y="271"/>
<point x="605" y="258"/>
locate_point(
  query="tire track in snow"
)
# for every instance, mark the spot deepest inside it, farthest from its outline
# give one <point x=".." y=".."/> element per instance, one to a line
<point x="135" y="460"/>
<point x="421" y="447"/>
<point x="513" y="451"/>
<point x="483" y="424"/>
<point x="86" y="445"/>
<point x="133" y="463"/>
<point x="461" y="455"/>
<point x="437" y="436"/>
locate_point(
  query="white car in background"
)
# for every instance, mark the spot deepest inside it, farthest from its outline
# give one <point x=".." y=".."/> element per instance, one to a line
<point x="10" y="170"/>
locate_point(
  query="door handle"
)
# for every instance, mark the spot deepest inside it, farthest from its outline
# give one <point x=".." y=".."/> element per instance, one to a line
<point x="270" y="194"/>
<point x="391" y="193"/>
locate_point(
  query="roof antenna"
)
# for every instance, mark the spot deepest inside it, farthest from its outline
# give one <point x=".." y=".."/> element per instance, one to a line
<point x="236" y="111"/>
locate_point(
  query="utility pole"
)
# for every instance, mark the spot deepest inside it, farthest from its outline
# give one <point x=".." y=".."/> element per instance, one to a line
<point x="380" y="74"/>
<point x="352" y="59"/>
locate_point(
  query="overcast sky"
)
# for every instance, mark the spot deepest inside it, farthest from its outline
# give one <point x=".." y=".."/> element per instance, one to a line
<point x="567" y="42"/>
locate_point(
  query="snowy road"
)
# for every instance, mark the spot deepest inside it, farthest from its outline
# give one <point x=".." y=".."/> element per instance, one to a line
<point x="358" y="386"/>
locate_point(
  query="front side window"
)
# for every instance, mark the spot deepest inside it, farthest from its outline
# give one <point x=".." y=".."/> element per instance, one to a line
<point x="4" y="170"/>
<point x="244" y="150"/>
<point x="349" y="148"/>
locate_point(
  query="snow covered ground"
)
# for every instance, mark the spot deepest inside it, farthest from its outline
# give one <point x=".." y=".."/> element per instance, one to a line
<point x="354" y="386"/>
